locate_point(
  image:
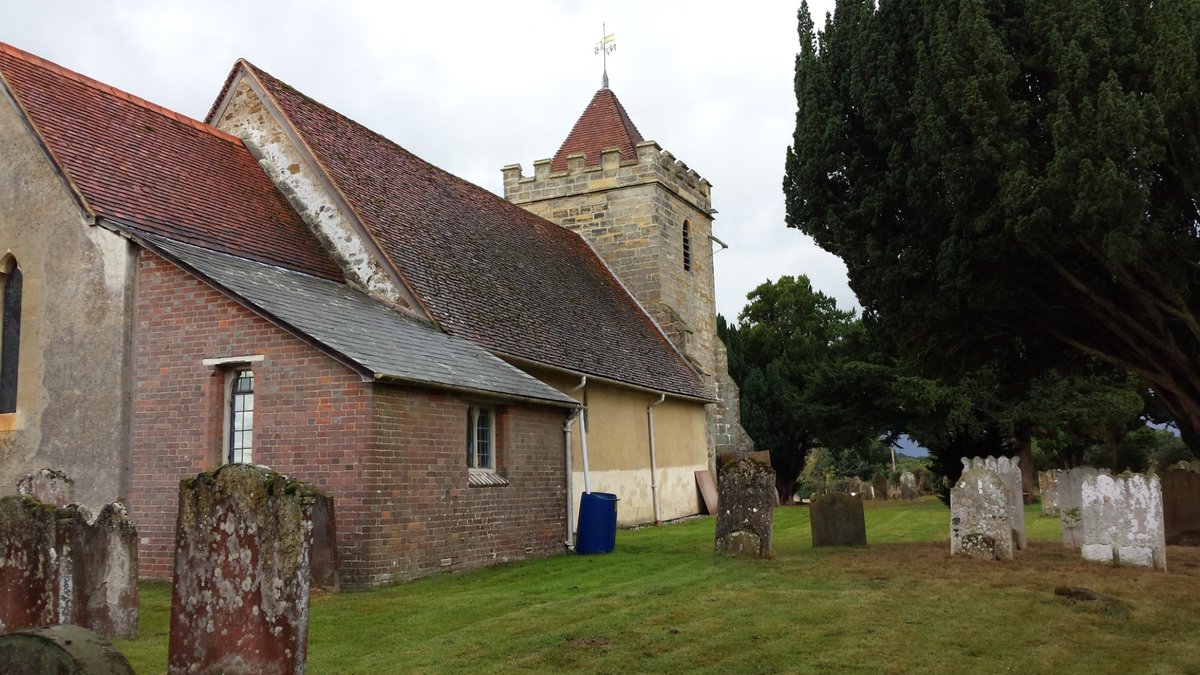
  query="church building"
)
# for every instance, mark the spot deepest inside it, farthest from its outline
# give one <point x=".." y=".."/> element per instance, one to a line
<point x="278" y="284"/>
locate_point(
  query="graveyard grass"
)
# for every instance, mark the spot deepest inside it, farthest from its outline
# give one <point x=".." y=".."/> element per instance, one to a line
<point x="663" y="602"/>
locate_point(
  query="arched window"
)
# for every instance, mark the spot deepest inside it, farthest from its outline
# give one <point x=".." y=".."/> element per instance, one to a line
<point x="687" y="246"/>
<point x="10" y="334"/>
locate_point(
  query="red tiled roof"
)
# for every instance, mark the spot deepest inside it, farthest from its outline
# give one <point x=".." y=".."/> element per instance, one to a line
<point x="487" y="270"/>
<point x="604" y="124"/>
<point x="158" y="171"/>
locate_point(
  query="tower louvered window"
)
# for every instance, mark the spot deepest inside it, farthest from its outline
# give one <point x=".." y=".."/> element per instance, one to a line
<point x="687" y="247"/>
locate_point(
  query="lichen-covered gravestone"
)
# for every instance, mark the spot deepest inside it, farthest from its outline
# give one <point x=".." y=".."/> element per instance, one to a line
<point x="837" y="519"/>
<point x="1181" y="503"/>
<point x="1070" y="503"/>
<point x="62" y="650"/>
<point x="1122" y="521"/>
<point x="239" y="603"/>
<point x="1008" y="470"/>
<point x="979" y="516"/>
<point x="908" y="486"/>
<point x="880" y="484"/>
<point x="48" y="487"/>
<point x="746" y="513"/>
<point x="59" y="568"/>
<point x="1048" y="485"/>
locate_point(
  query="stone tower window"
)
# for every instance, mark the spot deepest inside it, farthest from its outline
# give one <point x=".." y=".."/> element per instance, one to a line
<point x="687" y="246"/>
<point x="10" y="334"/>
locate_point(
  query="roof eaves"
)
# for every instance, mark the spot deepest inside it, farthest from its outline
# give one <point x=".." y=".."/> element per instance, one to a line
<point x="513" y="358"/>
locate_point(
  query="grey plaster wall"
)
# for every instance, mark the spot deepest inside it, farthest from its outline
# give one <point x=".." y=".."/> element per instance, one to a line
<point x="72" y="402"/>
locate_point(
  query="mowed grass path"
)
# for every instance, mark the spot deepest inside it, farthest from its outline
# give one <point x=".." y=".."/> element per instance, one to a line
<point x="662" y="602"/>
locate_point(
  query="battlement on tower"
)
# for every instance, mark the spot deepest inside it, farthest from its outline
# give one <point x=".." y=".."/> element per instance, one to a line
<point x="653" y="166"/>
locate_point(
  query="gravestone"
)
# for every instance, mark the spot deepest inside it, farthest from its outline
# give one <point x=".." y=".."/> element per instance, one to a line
<point x="858" y="489"/>
<point x="323" y="560"/>
<point x="48" y="486"/>
<point x="1122" y="521"/>
<point x="837" y="519"/>
<point x="1048" y="486"/>
<point x="62" y="650"/>
<point x="59" y="568"/>
<point x="908" y="486"/>
<point x="242" y="552"/>
<point x="1008" y="470"/>
<point x="746" y="511"/>
<point x="1181" y="503"/>
<point x="979" y="516"/>
<point x="880" y="485"/>
<point x="1070" y="503"/>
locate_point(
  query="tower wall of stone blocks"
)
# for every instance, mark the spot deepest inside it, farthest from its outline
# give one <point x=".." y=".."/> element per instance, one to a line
<point x="633" y="213"/>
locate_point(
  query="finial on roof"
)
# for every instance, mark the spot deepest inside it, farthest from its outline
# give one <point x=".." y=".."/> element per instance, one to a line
<point x="605" y="47"/>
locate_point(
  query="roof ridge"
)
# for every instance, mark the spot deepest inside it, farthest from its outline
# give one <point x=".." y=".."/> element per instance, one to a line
<point x="40" y="62"/>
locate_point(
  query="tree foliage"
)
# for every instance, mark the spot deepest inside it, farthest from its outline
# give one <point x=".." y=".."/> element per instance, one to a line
<point x="1006" y="180"/>
<point x="799" y="361"/>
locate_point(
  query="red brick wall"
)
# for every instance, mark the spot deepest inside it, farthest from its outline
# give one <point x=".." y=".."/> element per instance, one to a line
<point x="393" y="458"/>
<point x="429" y="514"/>
<point x="311" y="412"/>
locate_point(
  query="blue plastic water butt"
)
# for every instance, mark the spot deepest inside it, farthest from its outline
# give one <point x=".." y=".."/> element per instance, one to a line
<point x="597" y="523"/>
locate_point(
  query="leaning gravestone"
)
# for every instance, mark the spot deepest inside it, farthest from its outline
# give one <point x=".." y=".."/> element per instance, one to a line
<point x="1048" y="485"/>
<point x="837" y="519"/>
<point x="880" y="484"/>
<point x="62" y="650"/>
<point x="979" y="516"/>
<point x="1009" y="472"/>
<point x="908" y="486"/>
<point x="48" y="486"/>
<point x="1070" y="503"/>
<point x="1181" y="503"/>
<point x="59" y="568"/>
<point x="1122" y="521"/>
<point x="746" y="513"/>
<point x="239" y="603"/>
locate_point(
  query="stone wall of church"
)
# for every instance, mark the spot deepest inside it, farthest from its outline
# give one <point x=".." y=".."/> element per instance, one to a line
<point x="72" y="410"/>
<point x="633" y="214"/>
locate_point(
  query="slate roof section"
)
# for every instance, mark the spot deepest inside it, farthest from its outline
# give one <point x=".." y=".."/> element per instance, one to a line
<point x="381" y="340"/>
<point x="604" y="124"/>
<point x="486" y="269"/>
<point x="158" y="171"/>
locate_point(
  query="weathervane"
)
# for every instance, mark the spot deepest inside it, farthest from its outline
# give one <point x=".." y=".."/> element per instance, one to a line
<point x="605" y="47"/>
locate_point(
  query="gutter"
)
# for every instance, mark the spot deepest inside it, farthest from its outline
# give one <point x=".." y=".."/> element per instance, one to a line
<point x="653" y="459"/>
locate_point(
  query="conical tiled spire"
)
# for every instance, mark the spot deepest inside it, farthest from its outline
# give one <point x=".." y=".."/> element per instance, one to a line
<point x="604" y="124"/>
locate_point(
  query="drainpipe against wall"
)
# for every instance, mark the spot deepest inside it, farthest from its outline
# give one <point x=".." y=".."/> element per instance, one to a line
<point x="570" y="542"/>
<point x="587" y="487"/>
<point x="653" y="459"/>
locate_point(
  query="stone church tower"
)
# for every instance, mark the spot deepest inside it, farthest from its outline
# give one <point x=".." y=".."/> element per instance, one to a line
<point x="650" y="218"/>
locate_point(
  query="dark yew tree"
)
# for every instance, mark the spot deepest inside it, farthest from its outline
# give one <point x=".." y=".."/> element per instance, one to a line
<point x="1008" y="181"/>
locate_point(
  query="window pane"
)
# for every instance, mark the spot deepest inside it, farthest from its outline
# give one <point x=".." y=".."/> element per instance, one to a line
<point x="241" y="417"/>
<point x="483" y="438"/>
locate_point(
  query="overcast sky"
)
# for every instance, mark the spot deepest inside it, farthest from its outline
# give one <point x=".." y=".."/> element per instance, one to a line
<point x="473" y="86"/>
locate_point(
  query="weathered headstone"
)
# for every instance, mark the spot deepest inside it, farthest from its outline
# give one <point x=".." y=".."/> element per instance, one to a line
<point x="857" y="488"/>
<point x="746" y="513"/>
<point x="1009" y="472"/>
<point x="837" y="519"/>
<point x="48" y="486"/>
<point x="1181" y="503"/>
<point x="1122" y="521"/>
<point x="59" y="568"/>
<point x="62" y="650"/>
<point x="239" y="603"/>
<point x="1070" y="503"/>
<point x="908" y="486"/>
<point x="1048" y="485"/>
<point x="324" y="561"/>
<point x="881" y="486"/>
<point x="979" y="516"/>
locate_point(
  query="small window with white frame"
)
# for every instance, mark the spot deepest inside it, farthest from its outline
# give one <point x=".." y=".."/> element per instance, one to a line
<point x="481" y="437"/>
<point x="240" y="427"/>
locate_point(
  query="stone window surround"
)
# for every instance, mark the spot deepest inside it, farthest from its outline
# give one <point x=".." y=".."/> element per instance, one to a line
<point x="10" y="327"/>
<point x="231" y="366"/>
<point x="484" y="476"/>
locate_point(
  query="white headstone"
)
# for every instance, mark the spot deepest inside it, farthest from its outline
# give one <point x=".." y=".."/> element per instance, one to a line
<point x="979" y="516"/>
<point x="1009" y="472"/>
<point x="1122" y="521"/>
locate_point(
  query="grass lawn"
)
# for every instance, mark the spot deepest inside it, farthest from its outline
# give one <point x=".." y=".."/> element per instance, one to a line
<point x="662" y="602"/>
